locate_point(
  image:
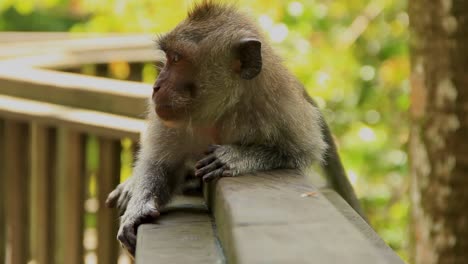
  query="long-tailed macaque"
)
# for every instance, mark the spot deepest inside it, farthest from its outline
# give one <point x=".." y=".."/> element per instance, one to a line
<point x="223" y="105"/>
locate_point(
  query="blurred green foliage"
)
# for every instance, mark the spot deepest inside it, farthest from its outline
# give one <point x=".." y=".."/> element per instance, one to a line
<point x="351" y="55"/>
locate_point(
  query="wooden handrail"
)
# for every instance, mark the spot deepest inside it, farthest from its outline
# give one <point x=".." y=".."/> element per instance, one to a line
<point x="75" y="90"/>
<point x="39" y="43"/>
<point x="98" y="123"/>
<point x="268" y="217"/>
<point x="46" y="120"/>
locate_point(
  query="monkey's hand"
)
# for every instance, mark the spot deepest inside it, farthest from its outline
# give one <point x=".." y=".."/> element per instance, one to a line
<point x="120" y="196"/>
<point x="140" y="210"/>
<point x="215" y="164"/>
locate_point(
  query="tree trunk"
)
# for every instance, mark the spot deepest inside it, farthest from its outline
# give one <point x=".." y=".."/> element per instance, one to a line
<point x="439" y="130"/>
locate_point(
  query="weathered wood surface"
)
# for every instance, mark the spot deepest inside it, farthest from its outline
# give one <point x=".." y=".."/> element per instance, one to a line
<point x="99" y="123"/>
<point x="183" y="234"/>
<point x="278" y="217"/>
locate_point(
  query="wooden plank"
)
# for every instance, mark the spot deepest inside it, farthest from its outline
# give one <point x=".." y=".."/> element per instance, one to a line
<point x="98" y="123"/>
<point x="70" y="188"/>
<point x="43" y="158"/>
<point x="102" y="70"/>
<point x="67" y="59"/>
<point x="22" y="37"/>
<point x="2" y="193"/>
<point x="108" y="221"/>
<point x="269" y="218"/>
<point x="75" y="90"/>
<point x="355" y="219"/>
<point x="136" y="71"/>
<point x="183" y="234"/>
<point x="17" y="183"/>
<point x="75" y="42"/>
<point x="15" y="37"/>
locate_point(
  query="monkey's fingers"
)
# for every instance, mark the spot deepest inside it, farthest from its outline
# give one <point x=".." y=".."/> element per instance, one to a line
<point x="215" y="164"/>
<point x="127" y="239"/>
<point x="128" y="232"/>
<point x="204" y="162"/>
<point x="112" y="198"/>
<point x="218" y="173"/>
<point x="122" y="202"/>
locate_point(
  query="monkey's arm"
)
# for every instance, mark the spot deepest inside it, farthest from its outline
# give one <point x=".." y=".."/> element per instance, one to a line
<point x="156" y="175"/>
<point x="120" y="196"/>
<point x="152" y="189"/>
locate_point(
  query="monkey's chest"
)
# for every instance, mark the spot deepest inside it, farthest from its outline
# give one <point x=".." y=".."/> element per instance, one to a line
<point x="208" y="135"/>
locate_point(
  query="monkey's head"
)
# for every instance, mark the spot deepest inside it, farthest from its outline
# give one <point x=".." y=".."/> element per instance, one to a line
<point x="212" y="57"/>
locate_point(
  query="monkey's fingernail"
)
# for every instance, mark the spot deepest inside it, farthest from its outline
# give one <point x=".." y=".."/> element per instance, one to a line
<point x="205" y="161"/>
<point x="110" y="203"/>
<point x="227" y="174"/>
<point x="198" y="174"/>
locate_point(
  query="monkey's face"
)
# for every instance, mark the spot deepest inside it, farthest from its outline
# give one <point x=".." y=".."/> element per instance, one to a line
<point x="208" y="63"/>
<point x="175" y="88"/>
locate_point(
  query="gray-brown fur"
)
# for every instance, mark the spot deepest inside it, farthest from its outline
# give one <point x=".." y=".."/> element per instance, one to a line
<point x="261" y="123"/>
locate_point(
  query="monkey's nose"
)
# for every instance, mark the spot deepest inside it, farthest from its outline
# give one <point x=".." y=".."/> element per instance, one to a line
<point x="156" y="88"/>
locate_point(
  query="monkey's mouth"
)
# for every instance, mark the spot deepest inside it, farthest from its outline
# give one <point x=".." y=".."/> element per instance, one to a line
<point x="169" y="112"/>
<point x="164" y="112"/>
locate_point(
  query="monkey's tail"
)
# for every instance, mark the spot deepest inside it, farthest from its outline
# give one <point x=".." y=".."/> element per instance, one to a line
<point x="336" y="173"/>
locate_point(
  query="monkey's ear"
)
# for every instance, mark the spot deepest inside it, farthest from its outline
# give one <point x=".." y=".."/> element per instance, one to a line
<point x="249" y="51"/>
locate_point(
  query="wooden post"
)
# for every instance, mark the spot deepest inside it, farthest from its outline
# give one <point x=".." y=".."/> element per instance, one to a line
<point x="2" y="193"/>
<point x="108" y="178"/>
<point x="102" y="70"/>
<point x="16" y="172"/>
<point x="136" y="72"/>
<point x="70" y="196"/>
<point x="43" y="158"/>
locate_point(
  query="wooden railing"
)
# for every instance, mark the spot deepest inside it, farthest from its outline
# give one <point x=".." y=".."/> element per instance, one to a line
<point x="66" y="138"/>
<point x="53" y="125"/>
